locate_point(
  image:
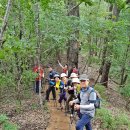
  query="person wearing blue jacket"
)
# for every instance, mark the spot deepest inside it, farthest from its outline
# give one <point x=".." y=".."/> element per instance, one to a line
<point x="51" y="82"/>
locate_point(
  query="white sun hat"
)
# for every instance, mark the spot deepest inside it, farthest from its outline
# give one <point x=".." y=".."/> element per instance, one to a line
<point x="63" y="75"/>
<point x="73" y="75"/>
<point x="75" y="80"/>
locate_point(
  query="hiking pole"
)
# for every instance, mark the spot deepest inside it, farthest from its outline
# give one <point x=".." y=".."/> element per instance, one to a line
<point x="72" y="116"/>
<point x="65" y="105"/>
<point x="55" y="102"/>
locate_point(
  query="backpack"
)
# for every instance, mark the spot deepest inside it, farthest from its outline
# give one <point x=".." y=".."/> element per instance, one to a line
<point x="97" y="103"/>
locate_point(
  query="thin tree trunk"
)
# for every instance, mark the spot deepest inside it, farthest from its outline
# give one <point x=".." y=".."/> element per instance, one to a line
<point x="5" y="20"/>
<point x="104" y="53"/>
<point x="123" y="68"/>
<point x="38" y="46"/>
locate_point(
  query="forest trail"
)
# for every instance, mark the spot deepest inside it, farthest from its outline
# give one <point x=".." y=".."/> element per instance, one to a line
<point x="58" y="119"/>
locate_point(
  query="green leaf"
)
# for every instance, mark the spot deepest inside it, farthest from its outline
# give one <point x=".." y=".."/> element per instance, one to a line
<point x="3" y="118"/>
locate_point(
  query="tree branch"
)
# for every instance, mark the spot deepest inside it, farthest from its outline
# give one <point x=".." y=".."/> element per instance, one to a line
<point x="73" y="8"/>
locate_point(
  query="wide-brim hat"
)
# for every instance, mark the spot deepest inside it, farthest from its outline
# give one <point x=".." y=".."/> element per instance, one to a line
<point x="75" y="80"/>
<point x="63" y="75"/>
<point x="73" y="75"/>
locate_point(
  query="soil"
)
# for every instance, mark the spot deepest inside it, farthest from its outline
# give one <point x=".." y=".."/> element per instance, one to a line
<point x="28" y="116"/>
<point x="58" y="120"/>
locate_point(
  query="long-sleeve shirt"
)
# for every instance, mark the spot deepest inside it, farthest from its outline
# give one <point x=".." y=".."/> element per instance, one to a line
<point x="87" y="99"/>
<point x="51" y="78"/>
<point x="40" y="72"/>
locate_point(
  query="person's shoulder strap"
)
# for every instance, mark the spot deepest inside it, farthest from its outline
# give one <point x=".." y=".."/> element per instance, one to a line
<point x="90" y="90"/>
<point x="78" y="96"/>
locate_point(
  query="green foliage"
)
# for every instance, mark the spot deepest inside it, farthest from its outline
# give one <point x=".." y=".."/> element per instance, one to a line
<point x="111" y="121"/>
<point x="87" y="2"/>
<point x="122" y="120"/>
<point x="102" y="90"/>
<point x="125" y="91"/>
<point x="3" y="118"/>
<point x="107" y="118"/>
<point x="6" y="125"/>
<point x="120" y="3"/>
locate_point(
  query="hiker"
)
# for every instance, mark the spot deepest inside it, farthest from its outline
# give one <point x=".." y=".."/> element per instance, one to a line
<point x="73" y="70"/>
<point x="70" y="86"/>
<point x="64" y="78"/>
<point x="62" y="88"/>
<point x="74" y="92"/>
<point x="64" y="68"/>
<point x="86" y="100"/>
<point x="38" y="69"/>
<point x="51" y="84"/>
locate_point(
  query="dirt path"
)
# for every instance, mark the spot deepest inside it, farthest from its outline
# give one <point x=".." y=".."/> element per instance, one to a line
<point x="58" y="120"/>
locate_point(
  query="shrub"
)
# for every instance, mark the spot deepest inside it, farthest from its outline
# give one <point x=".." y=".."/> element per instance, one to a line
<point x="6" y="125"/>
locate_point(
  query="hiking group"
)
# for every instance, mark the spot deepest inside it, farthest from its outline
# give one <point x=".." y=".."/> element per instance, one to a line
<point x="77" y="91"/>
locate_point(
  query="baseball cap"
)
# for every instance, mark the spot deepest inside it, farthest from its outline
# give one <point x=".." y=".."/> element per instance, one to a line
<point x="83" y="77"/>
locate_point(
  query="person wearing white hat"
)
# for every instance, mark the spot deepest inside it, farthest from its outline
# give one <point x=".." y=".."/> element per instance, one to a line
<point x="76" y="84"/>
<point x="76" y="90"/>
<point x="72" y="87"/>
<point x="64" y="79"/>
<point x="63" y="75"/>
<point x="62" y="88"/>
<point x="73" y="75"/>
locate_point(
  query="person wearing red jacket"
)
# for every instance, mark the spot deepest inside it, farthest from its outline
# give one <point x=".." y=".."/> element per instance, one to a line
<point x="64" y="68"/>
<point x="38" y="69"/>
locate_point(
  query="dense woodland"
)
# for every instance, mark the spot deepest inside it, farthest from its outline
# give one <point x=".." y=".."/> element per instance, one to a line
<point x="43" y="31"/>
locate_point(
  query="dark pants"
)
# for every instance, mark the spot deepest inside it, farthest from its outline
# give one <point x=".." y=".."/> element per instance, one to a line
<point x="36" y="86"/>
<point x="85" y="120"/>
<point x="51" y="88"/>
<point x="62" y="97"/>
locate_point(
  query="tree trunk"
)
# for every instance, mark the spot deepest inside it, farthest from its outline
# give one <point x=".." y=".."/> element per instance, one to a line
<point x="106" y="64"/>
<point x="123" y="68"/>
<point x="104" y="53"/>
<point x="116" y="13"/>
<point x="5" y="20"/>
<point x="73" y="45"/>
<point x="105" y="73"/>
<point x="37" y="31"/>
